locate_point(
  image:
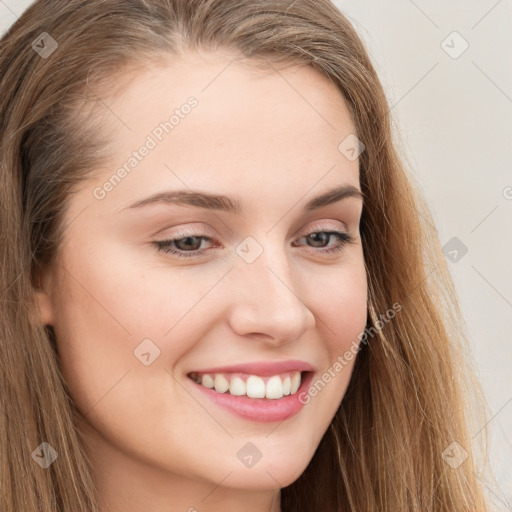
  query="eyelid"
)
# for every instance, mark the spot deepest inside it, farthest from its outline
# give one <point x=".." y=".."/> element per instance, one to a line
<point x="187" y="231"/>
<point x="200" y="231"/>
<point x="319" y="225"/>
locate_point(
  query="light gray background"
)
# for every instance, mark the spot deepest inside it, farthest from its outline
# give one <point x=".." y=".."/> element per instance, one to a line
<point x="454" y="118"/>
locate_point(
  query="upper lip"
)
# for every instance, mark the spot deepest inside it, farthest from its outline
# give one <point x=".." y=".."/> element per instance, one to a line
<point x="263" y="368"/>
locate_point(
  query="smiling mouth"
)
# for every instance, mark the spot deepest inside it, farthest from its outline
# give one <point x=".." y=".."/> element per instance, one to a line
<point x="271" y="387"/>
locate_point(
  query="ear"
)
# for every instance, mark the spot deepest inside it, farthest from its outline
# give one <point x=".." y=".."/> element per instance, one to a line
<point x="43" y="299"/>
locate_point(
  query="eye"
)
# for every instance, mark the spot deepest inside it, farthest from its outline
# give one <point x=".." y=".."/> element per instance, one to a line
<point x="186" y="245"/>
<point x="342" y="238"/>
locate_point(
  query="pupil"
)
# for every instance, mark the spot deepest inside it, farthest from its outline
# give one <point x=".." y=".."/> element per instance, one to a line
<point x="187" y="241"/>
<point x="323" y="237"/>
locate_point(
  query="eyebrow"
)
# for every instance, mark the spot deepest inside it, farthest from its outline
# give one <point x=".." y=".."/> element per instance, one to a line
<point x="233" y="205"/>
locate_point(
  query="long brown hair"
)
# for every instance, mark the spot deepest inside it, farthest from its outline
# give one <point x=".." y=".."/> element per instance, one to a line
<point x="408" y="398"/>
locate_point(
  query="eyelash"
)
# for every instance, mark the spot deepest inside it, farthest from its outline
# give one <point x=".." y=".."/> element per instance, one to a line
<point x="343" y="237"/>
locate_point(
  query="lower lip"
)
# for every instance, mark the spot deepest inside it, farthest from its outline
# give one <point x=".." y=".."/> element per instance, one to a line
<point x="264" y="410"/>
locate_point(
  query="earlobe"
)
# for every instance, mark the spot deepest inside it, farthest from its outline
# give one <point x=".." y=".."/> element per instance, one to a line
<point x="44" y="313"/>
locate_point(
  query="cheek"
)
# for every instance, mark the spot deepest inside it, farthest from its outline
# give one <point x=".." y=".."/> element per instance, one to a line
<point x="116" y="309"/>
<point x="108" y="312"/>
<point x="342" y="313"/>
<point x="341" y="304"/>
<point x="125" y="299"/>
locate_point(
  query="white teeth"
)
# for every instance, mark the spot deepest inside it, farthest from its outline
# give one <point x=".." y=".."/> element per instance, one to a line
<point x="221" y="383"/>
<point x="207" y="381"/>
<point x="295" y="382"/>
<point x="287" y="386"/>
<point x="237" y="386"/>
<point x="276" y="386"/>
<point x="255" y="387"/>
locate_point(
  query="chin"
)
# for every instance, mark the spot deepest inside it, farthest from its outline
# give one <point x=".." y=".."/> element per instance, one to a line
<point x="273" y="474"/>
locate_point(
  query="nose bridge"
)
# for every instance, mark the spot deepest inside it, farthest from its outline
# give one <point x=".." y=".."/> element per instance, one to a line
<point x="267" y="299"/>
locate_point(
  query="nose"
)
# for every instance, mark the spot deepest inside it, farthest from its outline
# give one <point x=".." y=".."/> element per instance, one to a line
<point x="267" y="302"/>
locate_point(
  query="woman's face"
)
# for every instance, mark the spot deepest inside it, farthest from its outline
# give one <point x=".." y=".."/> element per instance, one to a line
<point x="246" y="296"/>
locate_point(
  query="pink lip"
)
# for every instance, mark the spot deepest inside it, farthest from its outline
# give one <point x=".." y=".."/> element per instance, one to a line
<point x="258" y="409"/>
<point x="262" y="368"/>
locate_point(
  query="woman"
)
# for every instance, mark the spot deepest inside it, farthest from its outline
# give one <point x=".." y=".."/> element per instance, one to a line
<point x="221" y="289"/>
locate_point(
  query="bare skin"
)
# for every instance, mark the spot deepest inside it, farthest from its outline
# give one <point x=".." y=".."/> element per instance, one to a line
<point x="271" y="140"/>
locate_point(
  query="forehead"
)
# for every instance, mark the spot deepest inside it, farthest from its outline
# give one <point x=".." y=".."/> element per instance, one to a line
<point x="248" y="126"/>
